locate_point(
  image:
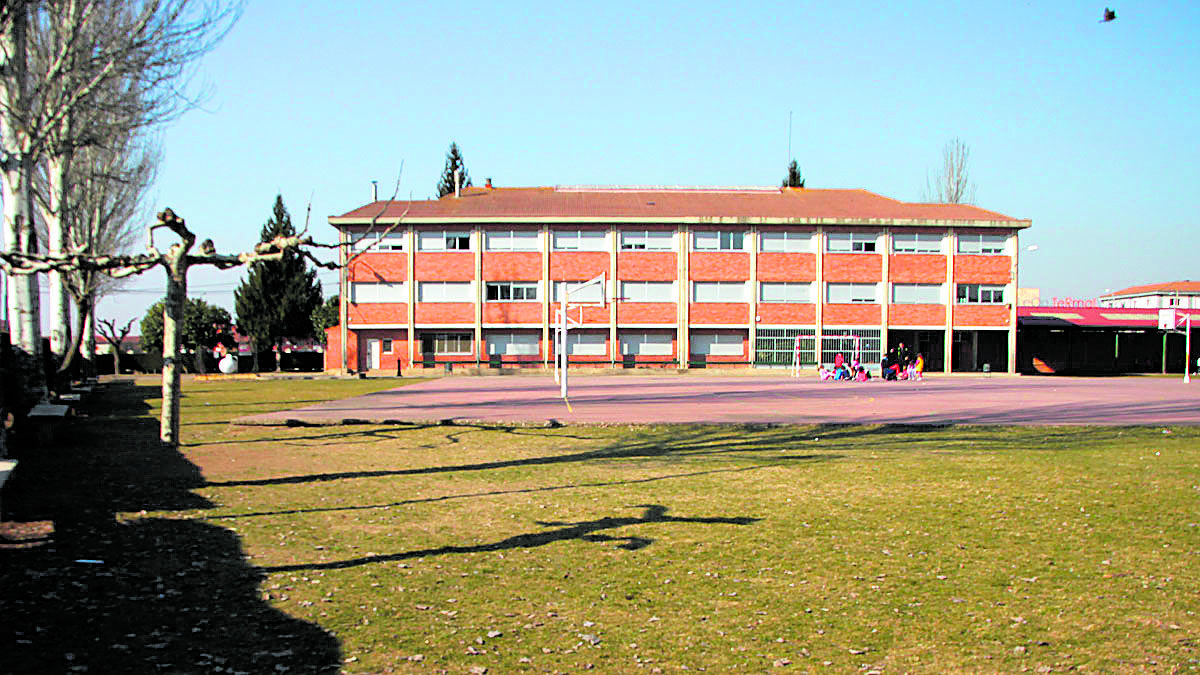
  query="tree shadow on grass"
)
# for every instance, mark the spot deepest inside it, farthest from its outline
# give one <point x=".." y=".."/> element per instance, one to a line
<point x="587" y="530"/>
<point x="82" y="590"/>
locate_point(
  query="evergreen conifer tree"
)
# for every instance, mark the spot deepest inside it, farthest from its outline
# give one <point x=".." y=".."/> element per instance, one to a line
<point x="276" y="300"/>
<point x="794" y="179"/>
<point x="454" y="161"/>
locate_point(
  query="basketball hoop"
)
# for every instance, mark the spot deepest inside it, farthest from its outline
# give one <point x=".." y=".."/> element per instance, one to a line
<point x="561" y="358"/>
<point x="1170" y="319"/>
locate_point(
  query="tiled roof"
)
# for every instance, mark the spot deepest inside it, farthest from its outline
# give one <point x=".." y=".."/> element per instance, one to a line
<point x="1151" y="289"/>
<point x="676" y="203"/>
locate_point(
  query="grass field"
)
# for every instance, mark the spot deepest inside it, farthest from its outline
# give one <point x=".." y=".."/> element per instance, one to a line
<point x="619" y="549"/>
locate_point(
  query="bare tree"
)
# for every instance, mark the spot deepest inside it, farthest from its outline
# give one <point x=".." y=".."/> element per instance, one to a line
<point x="59" y="63"/>
<point x="953" y="185"/>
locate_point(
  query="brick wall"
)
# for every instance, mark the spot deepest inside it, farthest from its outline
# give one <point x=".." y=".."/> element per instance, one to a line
<point x="981" y="315"/>
<point x="448" y="266"/>
<point x="860" y="267"/>
<point x="380" y="267"/>
<point x="787" y="267"/>
<point x="646" y="312"/>
<point x="714" y="266"/>
<point x="782" y="314"/>
<point x="917" y="268"/>
<point x="982" y="269"/>
<point x="512" y="312"/>
<point x="512" y="266"/>
<point x="851" y="315"/>
<point x="646" y="266"/>
<point x="445" y="312"/>
<point x="377" y="312"/>
<point x="917" y="315"/>
<point x="578" y="266"/>
<point x="719" y="312"/>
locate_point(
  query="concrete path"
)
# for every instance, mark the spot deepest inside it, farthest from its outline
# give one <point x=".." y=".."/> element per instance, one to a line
<point x="777" y="400"/>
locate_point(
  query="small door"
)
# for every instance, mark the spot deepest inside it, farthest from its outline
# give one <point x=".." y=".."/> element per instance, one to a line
<point x="373" y="350"/>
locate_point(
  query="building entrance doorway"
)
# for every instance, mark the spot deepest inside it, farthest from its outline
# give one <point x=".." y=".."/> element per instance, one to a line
<point x="374" y="348"/>
<point x="929" y="343"/>
<point x="975" y="349"/>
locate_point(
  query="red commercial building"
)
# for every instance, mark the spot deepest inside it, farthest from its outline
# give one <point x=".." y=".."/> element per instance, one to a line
<point x="694" y="277"/>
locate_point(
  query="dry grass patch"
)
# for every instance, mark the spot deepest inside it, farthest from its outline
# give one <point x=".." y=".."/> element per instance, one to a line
<point x="445" y="548"/>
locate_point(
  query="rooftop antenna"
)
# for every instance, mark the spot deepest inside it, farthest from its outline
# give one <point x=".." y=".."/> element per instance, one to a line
<point x="789" y="157"/>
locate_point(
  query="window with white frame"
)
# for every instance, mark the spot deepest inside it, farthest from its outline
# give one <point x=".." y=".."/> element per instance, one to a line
<point x="718" y="240"/>
<point x="916" y="242"/>
<point x="718" y="291"/>
<point x="580" y="240"/>
<point x="443" y="240"/>
<point x="917" y="294"/>
<point x="391" y="241"/>
<point x="786" y="241"/>
<point x="453" y="343"/>
<point x="716" y="344"/>
<point x="512" y="344"/>
<point x="363" y="291"/>
<point x="511" y="240"/>
<point x="647" y="240"/>
<point x="592" y="293"/>
<point x="785" y="291"/>
<point x="444" y="291"/>
<point x="387" y="346"/>
<point x="646" y="344"/>
<point x="587" y="343"/>
<point x="845" y="293"/>
<point x="851" y="242"/>
<point x="648" y="291"/>
<point x="979" y="294"/>
<point x="511" y="291"/>
<point x="982" y="244"/>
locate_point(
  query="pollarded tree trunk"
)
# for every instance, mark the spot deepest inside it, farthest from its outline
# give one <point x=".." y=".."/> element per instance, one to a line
<point x="87" y="344"/>
<point x="173" y="310"/>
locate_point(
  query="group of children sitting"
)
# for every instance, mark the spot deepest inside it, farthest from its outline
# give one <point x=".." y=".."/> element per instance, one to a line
<point x="897" y="364"/>
<point x="842" y="371"/>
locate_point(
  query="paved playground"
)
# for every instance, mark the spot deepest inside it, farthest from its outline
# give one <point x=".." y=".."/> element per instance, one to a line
<point x="639" y="399"/>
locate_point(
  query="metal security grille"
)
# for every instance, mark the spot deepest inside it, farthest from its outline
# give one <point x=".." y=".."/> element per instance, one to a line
<point x="850" y="342"/>
<point x="774" y="347"/>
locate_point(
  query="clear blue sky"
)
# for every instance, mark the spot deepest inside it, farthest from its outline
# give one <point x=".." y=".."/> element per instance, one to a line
<point x="1092" y="130"/>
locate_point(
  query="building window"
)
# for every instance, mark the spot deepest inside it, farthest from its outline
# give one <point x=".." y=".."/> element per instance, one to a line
<point x="721" y="240"/>
<point x="851" y="242"/>
<point x="979" y="294"/>
<point x="982" y="244"/>
<point x="717" y="344"/>
<point x="861" y="343"/>
<point x="387" y="346"/>
<point x="511" y="240"/>
<point x="646" y="344"/>
<point x="442" y="240"/>
<point x="512" y="344"/>
<point x="718" y="291"/>
<point x="444" y="291"/>
<point x="511" y="291"/>
<point x="647" y="240"/>
<point x="579" y="240"/>
<point x="452" y="343"/>
<point x="841" y="293"/>
<point x="916" y="242"/>
<point x="917" y="294"/>
<point x="593" y="293"/>
<point x="648" y="291"/>
<point x="364" y="292"/>
<point x="786" y="241"/>
<point x="392" y="241"/>
<point x="587" y="343"/>
<point x="785" y="291"/>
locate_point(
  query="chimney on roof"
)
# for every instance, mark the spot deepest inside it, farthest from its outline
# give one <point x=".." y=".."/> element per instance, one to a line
<point x="457" y="187"/>
<point x="374" y="191"/>
<point x="488" y="184"/>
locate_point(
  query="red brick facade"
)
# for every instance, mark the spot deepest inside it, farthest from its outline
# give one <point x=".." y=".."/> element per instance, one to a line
<point x="804" y="261"/>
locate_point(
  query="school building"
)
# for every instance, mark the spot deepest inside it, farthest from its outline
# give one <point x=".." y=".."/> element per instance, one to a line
<point x="692" y="277"/>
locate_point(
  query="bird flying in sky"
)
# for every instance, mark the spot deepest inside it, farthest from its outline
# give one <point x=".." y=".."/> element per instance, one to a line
<point x="1109" y="15"/>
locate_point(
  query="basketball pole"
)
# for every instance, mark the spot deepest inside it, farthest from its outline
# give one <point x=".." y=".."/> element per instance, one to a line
<point x="1187" y="350"/>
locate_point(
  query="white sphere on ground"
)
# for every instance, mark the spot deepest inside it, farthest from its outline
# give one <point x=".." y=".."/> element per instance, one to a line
<point x="228" y="364"/>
